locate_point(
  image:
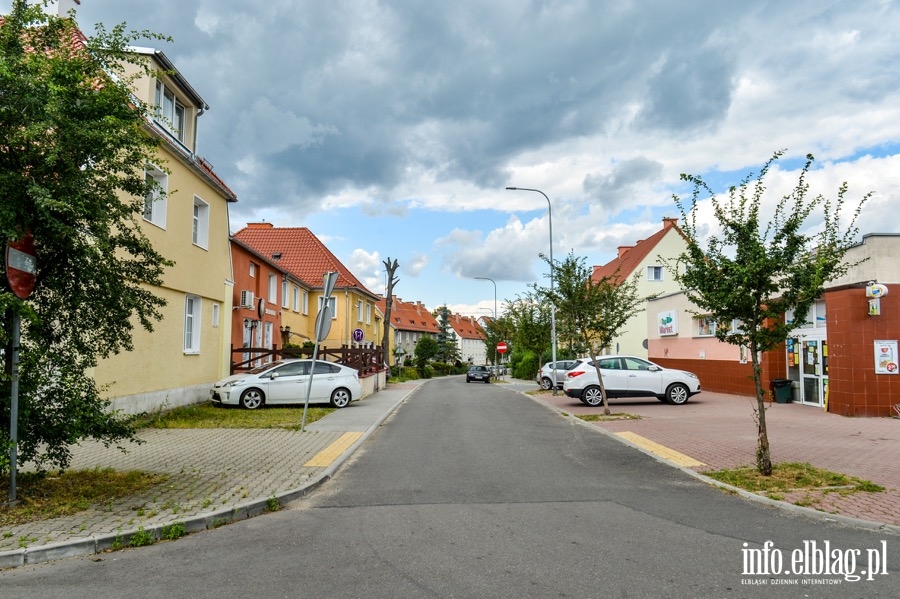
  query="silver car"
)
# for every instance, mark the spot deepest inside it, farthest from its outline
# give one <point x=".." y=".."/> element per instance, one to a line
<point x="286" y="382"/>
<point x="544" y="376"/>
<point x="629" y="376"/>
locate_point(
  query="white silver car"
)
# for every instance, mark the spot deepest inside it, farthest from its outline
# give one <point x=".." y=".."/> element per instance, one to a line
<point x="544" y="376"/>
<point x="629" y="376"/>
<point x="286" y="382"/>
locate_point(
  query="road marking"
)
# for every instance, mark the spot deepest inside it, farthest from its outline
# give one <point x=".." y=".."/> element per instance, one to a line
<point x="661" y="450"/>
<point x="324" y="458"/>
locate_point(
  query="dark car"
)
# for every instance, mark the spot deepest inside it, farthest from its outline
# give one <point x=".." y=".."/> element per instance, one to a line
<point x="478" y="373"/>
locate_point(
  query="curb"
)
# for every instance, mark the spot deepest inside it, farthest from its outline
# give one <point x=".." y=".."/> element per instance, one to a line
<point x="242" y="511"/>
<point x="789" y="507"/>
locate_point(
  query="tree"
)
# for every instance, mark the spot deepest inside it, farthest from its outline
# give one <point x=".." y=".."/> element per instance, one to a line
<point x="426" y="349"/>
<point x="530" y="318"/>
<point x="448" y="350"/>
<point x="75" y="144"/>
<point x="753" y="273"/>
<point x="595" y="310"/>
<point x="390" y="268"/>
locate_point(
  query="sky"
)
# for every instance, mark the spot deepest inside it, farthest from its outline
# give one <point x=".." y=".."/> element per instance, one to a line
<point x="391" y="129"/>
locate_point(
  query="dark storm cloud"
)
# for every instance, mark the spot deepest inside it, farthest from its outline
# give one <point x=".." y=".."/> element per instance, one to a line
<point x="617" y="186"/>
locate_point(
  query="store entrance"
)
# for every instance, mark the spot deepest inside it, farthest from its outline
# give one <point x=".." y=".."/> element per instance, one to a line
<point x="808" y="369"/>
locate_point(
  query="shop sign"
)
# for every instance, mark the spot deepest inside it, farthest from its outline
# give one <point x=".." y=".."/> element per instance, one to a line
<point x="885" y="357"/>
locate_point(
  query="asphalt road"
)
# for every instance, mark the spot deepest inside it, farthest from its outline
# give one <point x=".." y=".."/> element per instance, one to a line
<point x="473" y="490"/>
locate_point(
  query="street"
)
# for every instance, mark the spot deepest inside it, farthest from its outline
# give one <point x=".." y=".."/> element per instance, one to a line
<point x="473" y="490"/>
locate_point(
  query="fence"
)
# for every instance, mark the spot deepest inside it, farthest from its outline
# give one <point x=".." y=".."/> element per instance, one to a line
<point x="366" y="360"/>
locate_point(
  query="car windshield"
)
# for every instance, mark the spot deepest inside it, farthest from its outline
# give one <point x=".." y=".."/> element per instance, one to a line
<point x="479" y="368"/>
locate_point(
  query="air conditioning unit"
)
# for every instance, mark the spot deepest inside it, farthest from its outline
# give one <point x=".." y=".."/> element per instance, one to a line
<point x="246" y="298"/>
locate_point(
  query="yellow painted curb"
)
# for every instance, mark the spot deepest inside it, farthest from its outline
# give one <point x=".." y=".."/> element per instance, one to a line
<point x="324" y="458"/>
<point x="661" y="450"/>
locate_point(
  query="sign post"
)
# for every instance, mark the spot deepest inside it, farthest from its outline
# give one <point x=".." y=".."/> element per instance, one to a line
<point x="21" y="272"/>
<point x="323" y="327"/>
<point x="502" y="347"/>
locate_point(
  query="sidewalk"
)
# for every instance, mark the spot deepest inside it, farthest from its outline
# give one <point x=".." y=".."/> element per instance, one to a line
<point x="713" y="431"/>
<point x="218" y="476"/>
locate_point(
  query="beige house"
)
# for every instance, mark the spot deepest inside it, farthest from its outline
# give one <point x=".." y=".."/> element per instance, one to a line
<point x="190" y="347"/>
<point x="646" y="259"/>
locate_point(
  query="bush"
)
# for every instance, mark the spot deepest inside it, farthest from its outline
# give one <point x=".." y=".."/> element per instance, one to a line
<point x="526" y="367"/>
<point x="409" y="373"/>
<point x="427" y="372"/>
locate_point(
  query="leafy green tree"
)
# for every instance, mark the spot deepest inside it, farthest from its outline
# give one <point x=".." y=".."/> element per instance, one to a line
<point x="448" y="350"/>
<point x="75" y="143"/>
<point x="595" y="312"/>
<point x="530" y="318"/>
<point x="426" y="349"/>
<point x="754" y="271"/>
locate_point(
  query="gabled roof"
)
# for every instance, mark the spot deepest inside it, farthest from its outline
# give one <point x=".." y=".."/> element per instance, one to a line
<point x="302" y="254"/>
<point x="270" y="261"/>
<point x="630" y="257"/>
<point x="466" y="327"/>
<point x="408" y="316"/>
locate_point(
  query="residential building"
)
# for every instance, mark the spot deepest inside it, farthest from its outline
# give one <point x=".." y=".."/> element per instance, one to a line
<point x="844" y="360"/>
<point x="648" y="260"/>
<point x="469" y="339"/>
<point x="190" y="347"/>
<point x="304" y="257"/>
<point x="410" y="321"/>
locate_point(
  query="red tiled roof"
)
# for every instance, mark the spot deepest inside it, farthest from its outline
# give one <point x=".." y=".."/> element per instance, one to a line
<point x="630" y="257"/>
<point x="408" y="316"/>
<point x="302" y="254"/>
<point x="466" y="327"/>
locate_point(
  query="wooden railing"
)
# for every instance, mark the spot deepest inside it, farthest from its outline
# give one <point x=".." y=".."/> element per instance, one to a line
<point x="366" y="360"/>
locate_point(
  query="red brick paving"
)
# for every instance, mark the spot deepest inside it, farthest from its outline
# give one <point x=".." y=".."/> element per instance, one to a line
<point x="719" y="430"/>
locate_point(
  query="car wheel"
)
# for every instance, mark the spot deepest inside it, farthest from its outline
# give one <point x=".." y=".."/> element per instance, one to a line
<point x="546" y="384"/>
<point x="468" y="380"/>
<point x="592" y="396"/>
<point x="340" y="398"/>
<point x="252" y="399"/>
<point x="677" y="394"/>
<point x="487" y="380"/>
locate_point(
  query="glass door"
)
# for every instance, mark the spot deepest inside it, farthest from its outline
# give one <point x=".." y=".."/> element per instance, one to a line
<point x="814" y="371"/>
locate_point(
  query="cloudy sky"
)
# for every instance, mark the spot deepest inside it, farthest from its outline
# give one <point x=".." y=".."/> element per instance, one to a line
<point x="392" y="128"/>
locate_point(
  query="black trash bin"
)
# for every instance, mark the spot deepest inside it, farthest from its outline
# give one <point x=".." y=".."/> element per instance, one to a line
<point x="781" y="390"/>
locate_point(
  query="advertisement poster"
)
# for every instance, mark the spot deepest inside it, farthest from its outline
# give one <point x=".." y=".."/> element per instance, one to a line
<point x="885" y="357"/>
<point x="668" y="323"/>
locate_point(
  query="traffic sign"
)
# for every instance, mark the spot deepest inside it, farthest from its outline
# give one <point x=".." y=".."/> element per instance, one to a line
<point x="21" y="266"/>
<point x="501" y="347"/>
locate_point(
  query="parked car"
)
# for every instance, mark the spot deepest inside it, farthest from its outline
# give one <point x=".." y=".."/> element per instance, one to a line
<point x="629" y="376"/>
<point x="286" y="382"/>
<point x="478" y="373"/>
<point x="544" y="376"/>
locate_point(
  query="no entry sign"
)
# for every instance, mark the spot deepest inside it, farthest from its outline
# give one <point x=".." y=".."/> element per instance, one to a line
<point x="21" y="266"/>
<point x="501" y="347"/>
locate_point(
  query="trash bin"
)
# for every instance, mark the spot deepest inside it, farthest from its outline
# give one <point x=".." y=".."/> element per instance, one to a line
<point x="781" y="390"/>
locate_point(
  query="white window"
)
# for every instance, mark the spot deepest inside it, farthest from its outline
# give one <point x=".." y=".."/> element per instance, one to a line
<point x="192" y="324"/>
<point x="305" y="302"/>
<point x="285" y="296"/>
<point x="706" y="326"/>
<point x="654" y="273"/>
<point x="252" y="270"/>
<point x="215" y="315"/>
<point x="169" y="111"/>
<point x="273" y="290"/>
<point x="332" y="304"/>
<point x="368" y="313"/>
<point x="155" y="199"/>
<point x="296" y="298"/>
<point x="359" y="311"/>
<point x="200" y="229"/>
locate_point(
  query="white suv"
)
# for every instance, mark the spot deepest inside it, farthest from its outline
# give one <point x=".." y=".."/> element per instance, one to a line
<point x="544" y="376"/>
<point x="629" y="376"/>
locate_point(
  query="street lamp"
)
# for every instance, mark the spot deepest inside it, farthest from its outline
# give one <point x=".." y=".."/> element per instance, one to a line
<point x="494" y="315"/>
<point x="552" y="305"/>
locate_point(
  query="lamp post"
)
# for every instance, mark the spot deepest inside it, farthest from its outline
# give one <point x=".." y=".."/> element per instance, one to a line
<point x="552" y="305"/>
<point x="494" y="314"/>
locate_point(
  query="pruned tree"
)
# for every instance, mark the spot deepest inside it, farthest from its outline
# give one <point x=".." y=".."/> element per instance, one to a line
<point x="72" y="157"/>
<point x="595" y="310"/>
<point x="754" y="270"/>
<point x="390" y="268"/>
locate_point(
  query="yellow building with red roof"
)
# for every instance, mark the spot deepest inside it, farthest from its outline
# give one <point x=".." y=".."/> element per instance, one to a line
<point x="410" y="321"/>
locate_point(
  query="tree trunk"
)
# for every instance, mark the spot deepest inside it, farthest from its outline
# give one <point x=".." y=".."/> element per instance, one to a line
<point x="763" y="452"/>
<point x="391" y="267"/>
<point x="599" y="378"/>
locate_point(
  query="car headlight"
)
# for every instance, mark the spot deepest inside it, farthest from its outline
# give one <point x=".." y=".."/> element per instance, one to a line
<point x="692" y="375"/>
<point x="233" y="383"/>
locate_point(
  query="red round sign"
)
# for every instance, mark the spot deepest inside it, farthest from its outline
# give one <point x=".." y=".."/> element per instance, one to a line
<point x="501" y="347"/>
<point x="21" y="266"/>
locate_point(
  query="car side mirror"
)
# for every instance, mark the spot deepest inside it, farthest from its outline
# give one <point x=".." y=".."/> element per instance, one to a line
<point x="654" y="369"/>
<point x="274" y="375"/>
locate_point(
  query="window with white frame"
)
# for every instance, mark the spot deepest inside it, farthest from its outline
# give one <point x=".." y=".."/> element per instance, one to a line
<point x="273" y="290"/>
<point x="359" y="311"/>
<point x="155" y="199"/>
<point x="706" y="326"/>
<point x="332" y="305"/>
<point x="170" y="111"/>
<point x="253" y="270"/>
<point x="215" y="315"/>
<point x="285" y="294"/>
<point x="296" y="299"/>
<point x="305" y="307"/>
<point x="654" y="273"/>
<point x="200" y="229"/>
<point x="368" y="313"/>
<point x="192" y="307"/>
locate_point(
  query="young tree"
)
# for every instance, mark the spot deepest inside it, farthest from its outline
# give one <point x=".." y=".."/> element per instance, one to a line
<point x="74" y="145"/>
<point x="753" y="271"/>
<point x="595" y="311"/>
<point x="426" y="349"/>
<point x="530" y="319"/>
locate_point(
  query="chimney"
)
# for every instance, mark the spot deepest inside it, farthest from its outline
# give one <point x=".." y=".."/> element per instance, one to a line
<point x="669" y="222"/>
<point x="622" y="249"/>
<point x="260" y="225"/>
